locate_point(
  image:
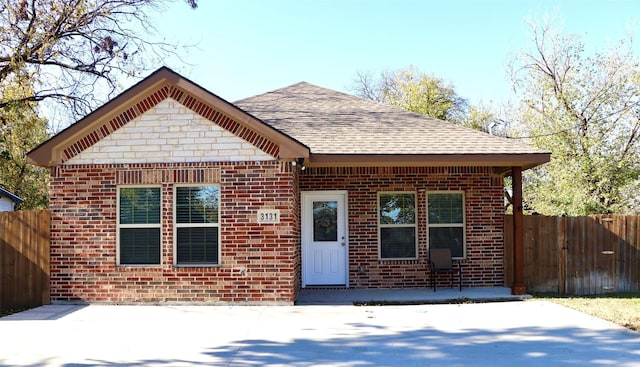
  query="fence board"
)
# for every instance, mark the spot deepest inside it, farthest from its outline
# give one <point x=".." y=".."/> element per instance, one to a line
<point x="542" y="253"/>
<point x="24" y="259"/>
<point x="578" y="255"/>
<point x="629" y="278"/>
<point x="562" y="255"/>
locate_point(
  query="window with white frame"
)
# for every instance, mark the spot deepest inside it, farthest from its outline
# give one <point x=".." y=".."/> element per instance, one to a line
<point x="139" y="225"/>
<point x="197" y="225"/>
<point x="397" y="225"/>
<point x="446" y="221"/>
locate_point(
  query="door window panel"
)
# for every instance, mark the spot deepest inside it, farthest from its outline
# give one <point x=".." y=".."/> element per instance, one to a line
<point x="325" y="221"/>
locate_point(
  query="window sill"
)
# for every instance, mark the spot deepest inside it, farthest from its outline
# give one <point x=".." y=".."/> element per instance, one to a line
<point x="399" y="261"/>
<point x="126" y="266"/>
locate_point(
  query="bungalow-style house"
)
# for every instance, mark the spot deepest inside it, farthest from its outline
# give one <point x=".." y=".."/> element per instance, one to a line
<point x="168" y="193"/>
<point x="8" y="200"/>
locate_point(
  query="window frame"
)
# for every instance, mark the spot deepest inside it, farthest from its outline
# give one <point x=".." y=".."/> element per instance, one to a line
<point x="414" y="225"/>
<point x="119" y="226"/>
<point x="462" y="225"/>
<point x="177" y="225"/>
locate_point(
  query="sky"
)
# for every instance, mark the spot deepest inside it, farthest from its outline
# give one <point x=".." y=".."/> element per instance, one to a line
<point x="244" y="48"/>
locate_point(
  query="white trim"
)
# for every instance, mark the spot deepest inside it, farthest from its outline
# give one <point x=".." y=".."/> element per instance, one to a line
<point x="118" y="225"/>
<point x="345" y="215"/>
<point x="414" y="225"/>
<point x="462" y="225"/>
<point x="177" y="225"/>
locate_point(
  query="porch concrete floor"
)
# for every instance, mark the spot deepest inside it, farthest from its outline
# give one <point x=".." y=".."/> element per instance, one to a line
<point x="343" y="296"/>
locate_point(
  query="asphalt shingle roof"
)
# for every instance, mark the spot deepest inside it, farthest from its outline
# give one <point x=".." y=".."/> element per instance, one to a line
<point x="331" y="122"/>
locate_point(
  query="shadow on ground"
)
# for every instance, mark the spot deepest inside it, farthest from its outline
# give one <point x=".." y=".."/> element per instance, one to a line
<point x="429" y="347"/>
<point x="376" y="347"/>
<point x="519" y="334"/>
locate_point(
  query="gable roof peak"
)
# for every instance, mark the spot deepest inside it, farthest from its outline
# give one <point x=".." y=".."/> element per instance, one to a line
<point x="138" y="99"/>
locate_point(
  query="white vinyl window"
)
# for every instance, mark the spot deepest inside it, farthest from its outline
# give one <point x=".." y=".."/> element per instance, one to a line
<point x="139" y="225"/>
<point x="397" y="225"/>
<point x="446" y="221"/>
<point x="197" y="225"/>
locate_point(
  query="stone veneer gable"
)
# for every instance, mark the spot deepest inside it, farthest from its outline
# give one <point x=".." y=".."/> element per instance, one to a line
<point x="194" y="104"/>
<point x="169" y="132"/>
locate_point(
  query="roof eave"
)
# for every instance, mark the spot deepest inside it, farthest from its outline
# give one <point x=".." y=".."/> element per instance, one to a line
<point x="524" y="160"/>
<point x="11" y="196"/>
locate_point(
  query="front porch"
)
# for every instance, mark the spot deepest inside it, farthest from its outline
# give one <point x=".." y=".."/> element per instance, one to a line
<point x="344" y="296"/>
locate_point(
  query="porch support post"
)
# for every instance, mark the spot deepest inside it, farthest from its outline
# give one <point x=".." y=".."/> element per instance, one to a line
<point x="518" y="287"/>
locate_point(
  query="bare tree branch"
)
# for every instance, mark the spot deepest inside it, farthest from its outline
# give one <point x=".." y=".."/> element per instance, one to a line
<point x="73" y="48"/>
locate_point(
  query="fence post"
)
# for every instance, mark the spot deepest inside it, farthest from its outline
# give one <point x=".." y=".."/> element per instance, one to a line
<point x="519" y="286"/>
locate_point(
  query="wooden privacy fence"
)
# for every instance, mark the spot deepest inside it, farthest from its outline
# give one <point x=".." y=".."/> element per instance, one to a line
<point x="578" y="255"/>
<point x="24" y="259"/>
<point x="564" y="255"/>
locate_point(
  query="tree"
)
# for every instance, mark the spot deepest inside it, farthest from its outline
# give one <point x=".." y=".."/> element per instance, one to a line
<point x="483" y="118"/>
<point x="413" y="91"/>
<point x="585" y="110"/>
<point x="17" y="138"/>
<point x="73" y="51"/>
<point x="427" y="95"/>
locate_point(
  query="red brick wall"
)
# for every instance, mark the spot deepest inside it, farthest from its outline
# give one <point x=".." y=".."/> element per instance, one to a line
<point x="259" y="263"/>
<point x="484" y="209"/>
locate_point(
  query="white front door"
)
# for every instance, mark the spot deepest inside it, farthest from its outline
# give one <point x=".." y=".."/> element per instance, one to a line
<point x="324" y="238"/>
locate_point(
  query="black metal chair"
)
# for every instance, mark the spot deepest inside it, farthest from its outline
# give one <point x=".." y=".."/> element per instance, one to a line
<point x="441" y="261"/>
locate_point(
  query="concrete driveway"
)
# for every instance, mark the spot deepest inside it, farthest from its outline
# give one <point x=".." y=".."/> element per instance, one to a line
<point x="490" y="334"/>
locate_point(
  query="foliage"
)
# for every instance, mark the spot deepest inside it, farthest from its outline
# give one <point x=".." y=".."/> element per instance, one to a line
<point x="585" y="110"/>
<point x="70" y="53"/>
<point x="73" y="51"/>
<point x="427" y="95"/>
<point x="483" y="118"/>
<point x="20" y="131"/>
<point x="413" y="91"/>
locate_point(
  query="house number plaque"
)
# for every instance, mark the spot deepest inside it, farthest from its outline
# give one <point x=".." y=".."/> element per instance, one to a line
<point x="266" y="216"/>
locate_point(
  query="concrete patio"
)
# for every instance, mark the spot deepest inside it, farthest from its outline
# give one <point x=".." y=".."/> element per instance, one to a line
<point x="342" y="296"/>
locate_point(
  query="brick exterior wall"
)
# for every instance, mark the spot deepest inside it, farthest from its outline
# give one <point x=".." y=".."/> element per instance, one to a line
<point x="259" y="263"/>
<point x="171" y="138"/>
<point x="484" y="210"/>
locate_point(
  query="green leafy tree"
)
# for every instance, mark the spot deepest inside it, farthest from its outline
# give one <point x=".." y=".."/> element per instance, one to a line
<point x="585" y="110"/>
<point x="68" y="55"/>
<point x="427" y="95"/>
<point x="485" y="119"/>
<point x="17" y="138"/>
<point x="413" y="91"/>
